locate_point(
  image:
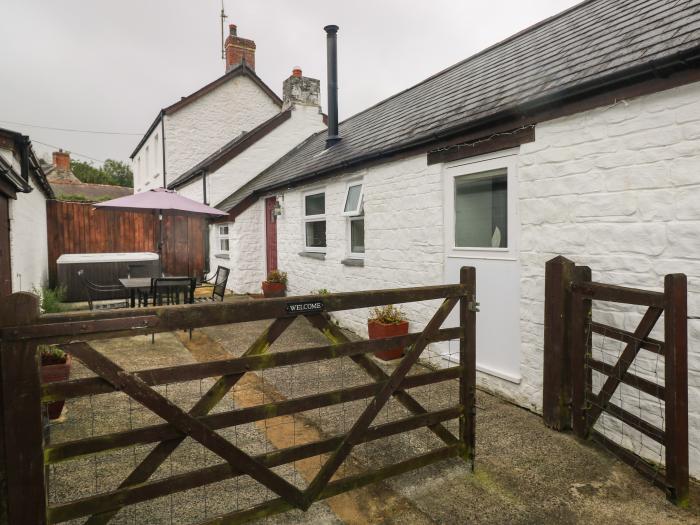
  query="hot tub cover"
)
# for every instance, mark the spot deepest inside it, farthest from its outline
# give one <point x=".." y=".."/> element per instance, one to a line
<point x="82" y="258"/>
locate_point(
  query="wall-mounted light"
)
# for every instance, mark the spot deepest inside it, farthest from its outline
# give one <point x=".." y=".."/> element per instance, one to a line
<point x="277" y="210"/>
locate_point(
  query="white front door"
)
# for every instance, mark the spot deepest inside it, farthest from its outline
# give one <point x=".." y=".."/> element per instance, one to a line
<point x="481" y="230"/>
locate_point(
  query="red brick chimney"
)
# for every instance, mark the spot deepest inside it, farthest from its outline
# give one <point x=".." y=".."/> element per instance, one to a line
<point x="61" y="160"/>
<point x="239" y="50"/>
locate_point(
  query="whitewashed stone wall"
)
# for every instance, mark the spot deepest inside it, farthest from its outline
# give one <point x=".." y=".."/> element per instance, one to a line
<point x="403" y="212"/>
<point x="29" y="241"/>
<point x="246" y="259"/>
<point x="148" y="169"/>
<point x="200" y="128"/>
<point x="615" y="188"/>
<point x="304" y="121"/>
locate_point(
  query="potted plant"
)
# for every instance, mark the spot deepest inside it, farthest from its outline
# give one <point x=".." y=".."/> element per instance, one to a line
<point x="55" y="366"/>
<point x="275" y="284"/>
<point x="387" y="321"/>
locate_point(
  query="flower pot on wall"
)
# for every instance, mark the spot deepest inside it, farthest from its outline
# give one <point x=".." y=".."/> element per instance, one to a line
<point x="379" y="330"/>
<point x="273" y="289"/>
<point x="51" y="374"/>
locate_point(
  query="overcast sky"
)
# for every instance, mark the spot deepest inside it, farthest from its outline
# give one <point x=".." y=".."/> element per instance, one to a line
<point x="111" y="66"/>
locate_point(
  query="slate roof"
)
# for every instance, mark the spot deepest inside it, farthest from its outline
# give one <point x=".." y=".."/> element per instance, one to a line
<point x="89" y="192"/>
<point x="584" y="48"/>
<point x="240" y="69"/>
<point x="230" y="150"/>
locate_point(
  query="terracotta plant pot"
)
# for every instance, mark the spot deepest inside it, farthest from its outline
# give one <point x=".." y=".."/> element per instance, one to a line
<point x="52" y="374"/>
<point x="379" y="330"/>
<point x="273" y="289"/>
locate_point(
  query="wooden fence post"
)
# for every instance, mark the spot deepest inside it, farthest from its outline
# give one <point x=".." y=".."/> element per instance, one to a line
<point x="467" y="361"/>
<point x="579" y="344"/>
<point x="676" y="383"/>
<point x="22" y="460"/>
<point x="556" y="390"/>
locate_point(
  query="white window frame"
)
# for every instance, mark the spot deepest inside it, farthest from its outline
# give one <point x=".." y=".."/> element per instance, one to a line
<point x="221" y="236"/>
<point x="360" y="204"/>
<point x="156" y="147"/>
<point x="313" y="218"/>
<point x="351" y="254"/>
<point x="506" y="159"/>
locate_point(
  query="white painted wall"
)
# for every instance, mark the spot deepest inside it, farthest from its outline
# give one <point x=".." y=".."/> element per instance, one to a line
<point x="246" y="259"/>
<point x="29" y="240"/>
<point x="615" y="188"/>
<point x="304" y="121"/>
<point x="147" y="166"/>
<point x="200" y="128"/>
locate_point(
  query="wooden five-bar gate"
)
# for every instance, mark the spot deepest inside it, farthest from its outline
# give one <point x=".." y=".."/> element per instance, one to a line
<point x="569" y="363"/>
<point x="26" y="455"/>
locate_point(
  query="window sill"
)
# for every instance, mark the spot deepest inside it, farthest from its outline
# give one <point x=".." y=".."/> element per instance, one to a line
<point x="353" y="262"/>
<point x="222" y="256"/>
<point x="313" y="255"/>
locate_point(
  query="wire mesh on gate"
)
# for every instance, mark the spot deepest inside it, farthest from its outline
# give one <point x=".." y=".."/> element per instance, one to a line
<point x="639" y="392"/>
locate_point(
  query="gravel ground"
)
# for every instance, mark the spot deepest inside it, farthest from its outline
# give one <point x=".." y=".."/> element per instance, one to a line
<point x="525" y="473"/>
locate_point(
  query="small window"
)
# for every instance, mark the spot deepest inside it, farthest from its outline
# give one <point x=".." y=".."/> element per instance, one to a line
<point x="156" y="144"/>
<point x="481" y="210"/>
<point x="223" y="238"/>
<point x="357" y="236"/>
<point x="353" y="199"/>
<point x="315" y="222"/>
<point x="147" y="162"/>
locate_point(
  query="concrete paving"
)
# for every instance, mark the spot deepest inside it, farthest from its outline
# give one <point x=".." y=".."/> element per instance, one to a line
<point x="524" y="473"/>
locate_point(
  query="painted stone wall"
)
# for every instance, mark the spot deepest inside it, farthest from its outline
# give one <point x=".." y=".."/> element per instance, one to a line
<point x="28" y="241"/>
<point x="200" y="128"/>
<point x="617" y="189"/>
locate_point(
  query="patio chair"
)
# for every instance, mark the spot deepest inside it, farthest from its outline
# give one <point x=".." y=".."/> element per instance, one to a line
<point x="137" y="270"/>
<point x="91" y="289"/>
<point x="170" y="290"/>
<point x="167" y="290"/>
<point x="217" y="282"/>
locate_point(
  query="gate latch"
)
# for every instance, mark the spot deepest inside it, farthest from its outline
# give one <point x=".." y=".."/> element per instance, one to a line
<point x="473" y="306"/>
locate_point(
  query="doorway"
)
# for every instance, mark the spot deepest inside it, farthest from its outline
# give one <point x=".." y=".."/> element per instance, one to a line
<point x="271" y="233"/>
<point x="482" y="230"/>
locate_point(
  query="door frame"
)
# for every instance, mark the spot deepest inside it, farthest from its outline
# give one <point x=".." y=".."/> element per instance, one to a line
<point x="267" y="216"/>
<point x="502" y="159"/>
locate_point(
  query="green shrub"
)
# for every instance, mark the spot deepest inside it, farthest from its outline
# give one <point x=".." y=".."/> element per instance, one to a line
<point x="51" y="299"/>
<point x="388" y="314"/>
<point x="275" y="276"/>
<point x="52" y="355"/>
<point x="323" y="291"/>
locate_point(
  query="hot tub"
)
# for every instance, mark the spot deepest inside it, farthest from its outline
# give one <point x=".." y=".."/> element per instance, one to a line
<point x="102" y="268"/>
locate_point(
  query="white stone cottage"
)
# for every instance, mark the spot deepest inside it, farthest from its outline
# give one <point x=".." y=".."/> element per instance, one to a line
<point x="210" y="143"/>
<point x="579" y="136"/>
<point x="24" y="257"/>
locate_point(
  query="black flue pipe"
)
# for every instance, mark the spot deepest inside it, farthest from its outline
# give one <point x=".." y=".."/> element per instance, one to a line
<point x="332" y="47"/>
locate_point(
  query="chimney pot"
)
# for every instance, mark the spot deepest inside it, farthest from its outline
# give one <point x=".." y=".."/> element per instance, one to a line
<point x="296" y="72"/>
<point x="61" y="160"/>
<point x="238" y="50"/>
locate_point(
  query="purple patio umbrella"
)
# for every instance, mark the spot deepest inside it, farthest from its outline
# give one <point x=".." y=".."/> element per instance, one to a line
<point x="162" y="201"/>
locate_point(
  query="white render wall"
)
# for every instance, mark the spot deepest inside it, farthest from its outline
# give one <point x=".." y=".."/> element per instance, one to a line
<point x="615" y="188"/>
<point x="200" y="128"/>
<point x="304" y="121"/>
<point x="246" y="260"/>
<point x="29" y="241"/>
<point x="148" y="172"/>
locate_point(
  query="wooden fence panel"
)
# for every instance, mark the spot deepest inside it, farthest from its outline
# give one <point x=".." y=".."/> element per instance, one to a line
<point x="75" y="227"/>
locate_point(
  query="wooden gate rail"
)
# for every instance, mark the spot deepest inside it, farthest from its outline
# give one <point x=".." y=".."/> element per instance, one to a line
<point x="568" y="398"/>
<point x="22" y="329"/>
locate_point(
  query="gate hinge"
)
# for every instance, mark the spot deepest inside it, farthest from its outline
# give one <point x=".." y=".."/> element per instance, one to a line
<point x="473" y="306"/>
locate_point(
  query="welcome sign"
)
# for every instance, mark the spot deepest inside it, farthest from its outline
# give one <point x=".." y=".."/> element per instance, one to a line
<point x="305" y="307"/>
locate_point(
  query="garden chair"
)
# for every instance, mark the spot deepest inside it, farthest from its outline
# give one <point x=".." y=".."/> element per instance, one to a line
<point x="91" y="289"/>
<point x="168" y="290"/>
<point x="217" y="282"/>
<point x="137" y="270"/>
